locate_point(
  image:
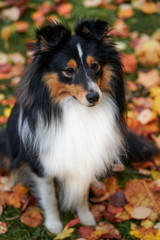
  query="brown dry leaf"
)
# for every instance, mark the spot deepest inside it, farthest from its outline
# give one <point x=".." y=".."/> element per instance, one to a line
<point x="99" y="190"/>
<point x="122" y="216"/>
<point x="18" y="196"/>
<point x="146" y="116"/>
<point x="64" y="9"/>
<point x="132" y="86"/>
<point x="144" y="193"/>
<point x="109" y="230"/>
<point x="45" y="7"/>
<point x="16" y="57"/>
<point x="98" y="210"/>
<point x="113" y="209"/>
<point x="111" y="185"/>
<point x="142" y="102"/>
<point x="32" y="217"/>
<point x="85" y="232"/>
<point x="118" y="199"/>
<point x="141" y="212"/>
<point x="157" y="225"/>
<point x="149" y="8"/>
<point x="3" y="227"/>
<point x="130" y="62"/>
<point x="148" y="53"/>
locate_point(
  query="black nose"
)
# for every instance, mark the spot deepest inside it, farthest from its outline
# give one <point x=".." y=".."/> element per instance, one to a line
<point x="92" y="97"/>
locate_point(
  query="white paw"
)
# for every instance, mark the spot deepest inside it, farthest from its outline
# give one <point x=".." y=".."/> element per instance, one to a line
<point x="87" y="218"/>
<point x="54" y="226"/>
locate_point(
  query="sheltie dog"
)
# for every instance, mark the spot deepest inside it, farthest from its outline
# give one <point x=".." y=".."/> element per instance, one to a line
<point x="68" y="123"/>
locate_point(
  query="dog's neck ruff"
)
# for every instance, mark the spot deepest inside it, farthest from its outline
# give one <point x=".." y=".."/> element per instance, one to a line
<point x="86" y="141"/>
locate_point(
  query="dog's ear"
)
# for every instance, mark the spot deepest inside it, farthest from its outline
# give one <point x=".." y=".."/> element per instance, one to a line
<point x="51" y="34"/>
<point x="91" y="28"/>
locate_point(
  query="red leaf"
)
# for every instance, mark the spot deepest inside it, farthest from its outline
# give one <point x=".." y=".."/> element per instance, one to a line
<point x="72" y="223"/>
<point x="85" y="232"/>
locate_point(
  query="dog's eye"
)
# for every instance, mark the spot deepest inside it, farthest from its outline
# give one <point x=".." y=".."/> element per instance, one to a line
<point x="95" y="66"/>
<point x="69" y="70"/>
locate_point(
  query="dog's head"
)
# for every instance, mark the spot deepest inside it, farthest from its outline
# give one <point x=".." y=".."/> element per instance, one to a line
<point x="83" y="65"/>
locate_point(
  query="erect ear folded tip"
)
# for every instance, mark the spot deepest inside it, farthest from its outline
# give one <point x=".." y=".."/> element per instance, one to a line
<point x="91" y="28"/>
<point x="51" y="34"/>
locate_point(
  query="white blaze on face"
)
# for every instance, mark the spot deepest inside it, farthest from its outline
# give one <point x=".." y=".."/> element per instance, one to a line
<point x="92" y="86"/>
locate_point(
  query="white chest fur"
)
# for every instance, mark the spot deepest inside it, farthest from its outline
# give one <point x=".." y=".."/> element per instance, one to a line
<point x="85" y="143"/>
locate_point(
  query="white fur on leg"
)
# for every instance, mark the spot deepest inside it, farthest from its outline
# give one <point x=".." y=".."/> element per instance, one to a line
<point x="83" y="212"/>
<point x="48" y="201"/>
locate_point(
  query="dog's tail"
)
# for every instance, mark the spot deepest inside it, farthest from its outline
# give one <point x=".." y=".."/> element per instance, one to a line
<point x="139" y="148"/>
<point x="4" y="152"/>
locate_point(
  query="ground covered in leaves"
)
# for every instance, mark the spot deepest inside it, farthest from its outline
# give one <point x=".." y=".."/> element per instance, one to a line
<point x="126" y="205"/>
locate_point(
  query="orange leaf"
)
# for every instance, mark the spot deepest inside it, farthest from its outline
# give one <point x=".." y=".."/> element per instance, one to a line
<point x="149" y="79"/>
<point x="130" y="62"/>
<point x="72" y="223"/>
<point x="21" y="26"/>
<point x="149" y="8"/>
<point x="64" y="9"/>
<point x="125" y="13"/>
<point x="98" y="210"/>
<point x="32" y="217"/>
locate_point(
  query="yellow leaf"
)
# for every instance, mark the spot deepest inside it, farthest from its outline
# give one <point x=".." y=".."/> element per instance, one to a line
<point x="155" y="91"/>
<point x="147" y="223"/>
<point x="7" y="112"/>
<point x="2" y="96"/>
<point x="156" y="104"/>
<point x="146" y="234"/>
<point x="155" y="174"/>
<point x="65" y="233"/>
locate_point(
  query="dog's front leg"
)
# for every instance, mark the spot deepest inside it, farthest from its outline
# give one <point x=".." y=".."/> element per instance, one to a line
<point x="83" y="212"/>
<point x="48" y="202"/>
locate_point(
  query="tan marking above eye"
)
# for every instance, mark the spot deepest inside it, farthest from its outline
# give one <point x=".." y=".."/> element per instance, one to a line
<point x="90" y="60"/>
<point x="72" y="64"/>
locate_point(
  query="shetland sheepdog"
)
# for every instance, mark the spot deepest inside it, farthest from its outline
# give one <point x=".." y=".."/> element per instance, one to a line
<point x="68" y="123"/>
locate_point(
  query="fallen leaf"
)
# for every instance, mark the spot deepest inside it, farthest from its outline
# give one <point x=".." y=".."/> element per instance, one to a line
<point x="72" y="223"/>
<point x="149" y="8"/>
<point x="5" y="35"/>
<point x="118" y="199"/>
<point x="125" y="11"/>
<point x="12" y="13"/>
<point x="21" y="26"/>
<point x="148" y="53"/>
<point x="18" y="196"/>
<point x="1" y="210"/>
<point x="120" y="28"/>
<point x="109" y="230"/>
<point x="146" y="116"/>
<point x="7" y="112"/>
<point x="111" y="185"/>
<point x="122" y="216"/>
<point x="147" y="223"/>
<point x="3" y="58"/>
<point x="149" y="79"/>
<point x="64" y="9"/>
<point x="38" y="18"/>
<point x="157" y="225"/>
<point x="32" y="217"/>
<point x="93" y="3"/>
<point x="141" y="212"/>
<point x="130" y="62"/>
<point x="146" y="233"/>
<point x="85" y="232"/>
<point x="143" y="193"/>
<point x="3" y="120"/>
<point x="155" y="174"/>
<point x="98" y="210"/>
<point x="3" y="227"/>
<point x="114" y="209"/>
